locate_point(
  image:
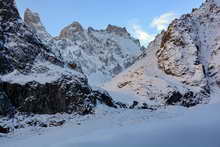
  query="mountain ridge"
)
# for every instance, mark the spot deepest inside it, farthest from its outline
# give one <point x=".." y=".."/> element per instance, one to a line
<point x="100" y="53"/>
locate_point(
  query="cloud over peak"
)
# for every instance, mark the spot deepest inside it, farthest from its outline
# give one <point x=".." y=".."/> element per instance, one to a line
<point x="161" y="22"/>
<point x="139" y="33"/>
<point x="156" y="25"/>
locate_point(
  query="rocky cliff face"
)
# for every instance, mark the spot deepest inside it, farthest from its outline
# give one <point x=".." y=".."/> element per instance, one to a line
<point x="100" y="53"/>
<point x="194" y="40"/>
<point x="182" y="64"/>
<point x="19" y="46"/>
<point x="33" y="78"/>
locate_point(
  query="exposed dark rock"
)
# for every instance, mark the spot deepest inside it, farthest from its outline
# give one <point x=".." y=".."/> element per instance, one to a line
<point x="5" y="104"/>
<point x="56" y="124"/>
<point x="63" y="95"/>
<point x="4" y="130"/>
<point x="104" y="98"/>
<point x="189" y="99"/>
<point x="145" y="106"/>
<point x="135" y="104"/>
<point x="121" y="85"/>
<point x="5" y="65"/>
<point x="43" y="125"/>
<point x="121" y="105"/>
<point x="173" y="98"/>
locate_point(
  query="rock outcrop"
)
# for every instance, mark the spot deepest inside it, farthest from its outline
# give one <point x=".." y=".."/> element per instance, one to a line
<point x="67" y="94"/>
<point x="117" y="30"/>
<point x="5" y="103"/>
<point x="193" y="40"/>
<point x="33" y="20"/>
<point x="32" y="78"/>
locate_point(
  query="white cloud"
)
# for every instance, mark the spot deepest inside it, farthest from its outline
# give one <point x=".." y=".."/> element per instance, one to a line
<point x="140" y="34"/>
<point x="157" y="25"/>
<point x="161" y="22"/>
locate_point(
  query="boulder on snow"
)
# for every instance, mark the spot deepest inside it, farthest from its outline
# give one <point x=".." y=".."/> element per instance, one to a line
<point x="4" y="130"/>
<point x="187" y="99"/>
<point x="104" y="98"/>
<point x="135" y="104"/>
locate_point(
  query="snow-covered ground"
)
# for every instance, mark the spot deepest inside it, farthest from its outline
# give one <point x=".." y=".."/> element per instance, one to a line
<point x="197" y="127"/>
<point x="167" y="127"/>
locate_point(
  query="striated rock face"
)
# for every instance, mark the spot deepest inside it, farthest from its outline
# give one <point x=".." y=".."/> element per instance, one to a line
<point x="5" y="103"/>
<point x="102" y="54"/>
<point x="181" y="65"/>
<point x="66" y="94"/>
<point x="32" y="78"/>
<point x="194" y="41"/>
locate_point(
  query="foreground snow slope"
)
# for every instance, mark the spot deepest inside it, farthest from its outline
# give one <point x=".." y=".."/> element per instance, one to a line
<point x="198" y="127"/>
<point x="171" y="127"/>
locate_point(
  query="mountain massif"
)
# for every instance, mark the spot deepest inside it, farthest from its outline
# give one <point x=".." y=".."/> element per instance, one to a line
<point x="45" y="74"/>
<point x="88" y="87"/>
<point x="32" y="78"/>
<point x="101" y="54"/>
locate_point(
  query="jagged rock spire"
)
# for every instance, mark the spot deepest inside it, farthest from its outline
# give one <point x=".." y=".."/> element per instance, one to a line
<point x="118" y="30"/>
<point x="33" y="20"/>
<point x="30" y="16"/>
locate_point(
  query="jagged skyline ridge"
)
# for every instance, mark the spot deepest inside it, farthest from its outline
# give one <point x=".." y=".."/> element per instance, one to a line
<point x="139" y="21"/>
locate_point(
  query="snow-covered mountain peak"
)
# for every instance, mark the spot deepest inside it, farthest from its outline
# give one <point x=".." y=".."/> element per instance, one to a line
<point x="100" y="53"/>
<point x="33" y="20"/>
<point x="73" y="32"/>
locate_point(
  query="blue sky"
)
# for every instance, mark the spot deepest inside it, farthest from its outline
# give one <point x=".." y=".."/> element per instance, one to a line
<point x="143" y="18"/>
